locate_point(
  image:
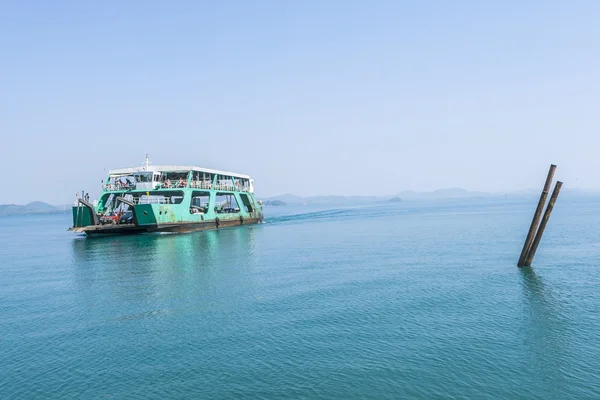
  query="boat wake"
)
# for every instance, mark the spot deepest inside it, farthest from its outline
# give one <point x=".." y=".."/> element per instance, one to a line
<point x="316" y="215"/>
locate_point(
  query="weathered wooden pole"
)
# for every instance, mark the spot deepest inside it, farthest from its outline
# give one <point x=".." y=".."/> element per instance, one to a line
<point x="540" y="232"/>
<point x="536" y="217"/>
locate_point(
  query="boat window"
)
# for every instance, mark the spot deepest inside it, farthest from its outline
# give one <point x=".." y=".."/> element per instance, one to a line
<point x="176" y="199"/>
<point x="247" y="202"/>
<point x="123" y="182"/>
<point x="105" y="198"/>
<point x="105" y="201"/>
<point x="243" y="185"/>
<point x="174" y="179"/>
<point x="225" y="183"/>
<point x="144" y="177"/>
<point x="226" y="203"/>
<point x="199" y="202"/>
<point x="161" y="197"/>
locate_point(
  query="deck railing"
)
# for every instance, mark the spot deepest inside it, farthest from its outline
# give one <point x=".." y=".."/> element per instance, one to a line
<point x="218" y="186"/>
<point x="173" y="185"/>
<point x="201" y="184"/>
<point x="110" y="187"/>
<point x="151" y="200"/>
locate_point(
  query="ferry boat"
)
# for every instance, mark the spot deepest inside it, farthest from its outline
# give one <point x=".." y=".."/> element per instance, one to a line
<point x="168" y="198"/>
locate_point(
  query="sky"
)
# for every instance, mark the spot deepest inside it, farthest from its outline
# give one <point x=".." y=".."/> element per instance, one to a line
<point x="311" y="98"/>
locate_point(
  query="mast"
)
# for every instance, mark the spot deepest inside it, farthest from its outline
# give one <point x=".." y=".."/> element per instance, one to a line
<point x="146" y="166"/>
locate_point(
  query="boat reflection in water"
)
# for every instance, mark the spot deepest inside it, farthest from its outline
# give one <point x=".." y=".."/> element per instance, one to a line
<point x="161" y="273"/>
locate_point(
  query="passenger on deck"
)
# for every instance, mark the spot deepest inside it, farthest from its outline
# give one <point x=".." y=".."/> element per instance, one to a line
<point x="181" y="183"/>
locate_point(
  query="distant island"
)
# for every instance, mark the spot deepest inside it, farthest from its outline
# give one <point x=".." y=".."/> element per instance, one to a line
<point x="274" y="203"/>
<point x="36" y="207"/>
<point x="451" y="193"/>
<point x="409" y="195"/>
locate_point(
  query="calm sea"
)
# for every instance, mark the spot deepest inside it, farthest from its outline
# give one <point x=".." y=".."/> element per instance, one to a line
<point x="417" y="300"/>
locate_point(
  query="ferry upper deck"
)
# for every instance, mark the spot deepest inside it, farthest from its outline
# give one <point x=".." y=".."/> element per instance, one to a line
<point x="175" y="176"/>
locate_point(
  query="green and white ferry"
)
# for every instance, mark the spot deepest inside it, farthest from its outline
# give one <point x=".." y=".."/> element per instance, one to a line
<point x="168" y="198"/>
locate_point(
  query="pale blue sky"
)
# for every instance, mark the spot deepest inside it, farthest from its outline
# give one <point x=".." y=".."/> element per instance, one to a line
<point x="312" y="97"/>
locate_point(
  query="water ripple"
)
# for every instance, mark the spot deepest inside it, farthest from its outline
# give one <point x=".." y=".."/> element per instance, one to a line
<point x="410" y="301"/>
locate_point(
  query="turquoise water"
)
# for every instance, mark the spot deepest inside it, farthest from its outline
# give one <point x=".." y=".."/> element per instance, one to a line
<point x="413" y="300"/>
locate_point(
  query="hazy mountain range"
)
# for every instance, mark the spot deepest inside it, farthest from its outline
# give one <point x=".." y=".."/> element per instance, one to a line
<point x="36" y="207"/>
<point x="408" y="195"/>
<point x="452" y="193"/>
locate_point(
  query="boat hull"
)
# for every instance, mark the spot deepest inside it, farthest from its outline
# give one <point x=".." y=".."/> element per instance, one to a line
<point x="177" y="214"/>
<point x="176" y="227"/>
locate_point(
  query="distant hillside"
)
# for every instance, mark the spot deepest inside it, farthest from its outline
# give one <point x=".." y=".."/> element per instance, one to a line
<point x="287" y="198"/>
<point x="293" y="199"/>
<point x="451" y="193"/>
<point x="36" y="207"/>
<point x="341" y="199"/>
<point x="274" y="203"/>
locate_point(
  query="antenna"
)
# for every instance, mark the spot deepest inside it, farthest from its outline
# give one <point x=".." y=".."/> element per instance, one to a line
<point x="147" y="162"/>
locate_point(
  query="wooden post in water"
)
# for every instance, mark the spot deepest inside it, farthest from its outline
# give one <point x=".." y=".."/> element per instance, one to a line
<point x="540" y="232"/>
<point x="536" y="217"/>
